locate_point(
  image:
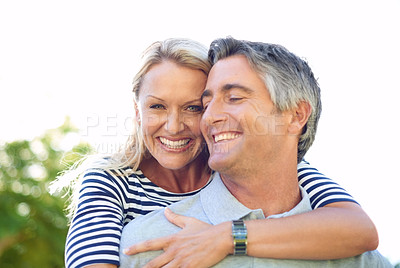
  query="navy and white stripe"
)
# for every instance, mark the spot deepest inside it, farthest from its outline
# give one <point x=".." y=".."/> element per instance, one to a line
<point x="109" y="199"/>
<point x="320" y="189"/>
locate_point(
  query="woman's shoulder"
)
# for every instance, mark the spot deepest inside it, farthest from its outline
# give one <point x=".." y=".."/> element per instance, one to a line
<point x="306" y="170"/>
<point x="105" y="171"/>
<point x="305" y="166"/>
<point x="112" y="182"/>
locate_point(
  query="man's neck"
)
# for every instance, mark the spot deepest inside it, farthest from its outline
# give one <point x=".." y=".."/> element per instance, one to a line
<point x="274" y="189"/>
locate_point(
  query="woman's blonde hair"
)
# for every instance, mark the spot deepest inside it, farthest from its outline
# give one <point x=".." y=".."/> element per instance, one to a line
<point x="184" y="52"/>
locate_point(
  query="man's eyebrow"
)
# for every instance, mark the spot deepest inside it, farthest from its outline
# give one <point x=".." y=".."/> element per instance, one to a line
<point x="228" y="87"/>
<point x="206" y="93"/>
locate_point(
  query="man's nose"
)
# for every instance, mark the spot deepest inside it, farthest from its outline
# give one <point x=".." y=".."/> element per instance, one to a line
<point x="174" y="123"/>
<point x="214" y="113"/>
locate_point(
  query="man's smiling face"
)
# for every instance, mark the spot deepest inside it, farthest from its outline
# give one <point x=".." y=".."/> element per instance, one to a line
<point x="240" y="122"/>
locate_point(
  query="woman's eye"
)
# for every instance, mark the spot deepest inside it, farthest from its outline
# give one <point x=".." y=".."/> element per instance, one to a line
<point x="195" y="108"/>
<point x="157" y="106"/>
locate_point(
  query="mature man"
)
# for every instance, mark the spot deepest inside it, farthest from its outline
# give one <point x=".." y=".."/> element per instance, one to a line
<point x="262" y="105"/>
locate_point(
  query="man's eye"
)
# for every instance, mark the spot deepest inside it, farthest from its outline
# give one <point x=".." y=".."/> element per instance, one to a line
<point x="235" y="99"/>
<point x="157" y="106"/>
<point x="195" y="108"/>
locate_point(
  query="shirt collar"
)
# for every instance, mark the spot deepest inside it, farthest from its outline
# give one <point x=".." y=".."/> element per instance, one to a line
<point x="220" y="205"/>
<point x="303" y="206"/>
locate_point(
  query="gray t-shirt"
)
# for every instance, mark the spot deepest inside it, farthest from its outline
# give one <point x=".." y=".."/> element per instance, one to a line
<point x="214" y="205"/>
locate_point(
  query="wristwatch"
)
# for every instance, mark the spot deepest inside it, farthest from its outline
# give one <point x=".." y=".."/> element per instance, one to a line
<point x="239" y="234"/>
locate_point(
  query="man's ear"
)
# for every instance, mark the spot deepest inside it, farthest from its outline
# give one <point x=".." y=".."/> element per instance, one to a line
<point x="300" y="116"/>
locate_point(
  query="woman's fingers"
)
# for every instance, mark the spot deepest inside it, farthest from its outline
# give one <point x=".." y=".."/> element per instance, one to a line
<point x="198" y="244"/>
<point x="176" y="219"/>
<point x="188" y="224"/>
<point x="148" y="245"/>
<point x="160" y="261"/>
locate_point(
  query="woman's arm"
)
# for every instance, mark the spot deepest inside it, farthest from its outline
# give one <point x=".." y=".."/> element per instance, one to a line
<point x="95" y="230"/>
<point x="336" y="231"/>
<point x="102" y="266"/>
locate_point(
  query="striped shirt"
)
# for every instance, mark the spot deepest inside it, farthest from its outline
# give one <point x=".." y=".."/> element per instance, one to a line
<point x="109" y="199"/>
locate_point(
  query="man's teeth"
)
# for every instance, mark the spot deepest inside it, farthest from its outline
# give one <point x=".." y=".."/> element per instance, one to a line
<point x="225" y="136"/>
<point x="174" y="144"/>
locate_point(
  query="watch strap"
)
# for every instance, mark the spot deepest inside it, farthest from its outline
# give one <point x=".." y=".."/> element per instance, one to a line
<point x="239" y="234"/>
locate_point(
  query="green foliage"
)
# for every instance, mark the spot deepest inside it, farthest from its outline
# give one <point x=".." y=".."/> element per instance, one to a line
<point x="33" y="225"/>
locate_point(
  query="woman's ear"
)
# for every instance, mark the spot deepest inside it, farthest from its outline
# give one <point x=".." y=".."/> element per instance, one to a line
<point x="137" y="113"/>
<point x="300" y="116"/>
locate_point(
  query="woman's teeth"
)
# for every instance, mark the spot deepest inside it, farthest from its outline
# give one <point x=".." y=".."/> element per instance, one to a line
<point x="174" y="144"/>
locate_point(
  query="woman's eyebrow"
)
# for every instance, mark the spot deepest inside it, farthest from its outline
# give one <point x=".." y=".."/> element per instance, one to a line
<point x="154" y="97"/>
<point x="162" y="100"/>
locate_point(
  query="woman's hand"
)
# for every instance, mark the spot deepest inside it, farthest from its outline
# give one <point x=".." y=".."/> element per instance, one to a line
<point x="198" y="244"/>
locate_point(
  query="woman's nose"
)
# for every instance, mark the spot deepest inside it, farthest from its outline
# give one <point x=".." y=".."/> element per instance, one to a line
<point x="174" y="123"/>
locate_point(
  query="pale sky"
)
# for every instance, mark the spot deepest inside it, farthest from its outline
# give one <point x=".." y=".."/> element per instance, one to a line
<point x="78" y="58"/>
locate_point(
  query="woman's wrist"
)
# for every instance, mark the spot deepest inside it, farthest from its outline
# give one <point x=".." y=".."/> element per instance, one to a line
<point x="224" y="232"/>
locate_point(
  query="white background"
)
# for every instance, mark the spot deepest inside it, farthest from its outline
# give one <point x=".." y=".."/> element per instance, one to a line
<point x="78" y="58"/>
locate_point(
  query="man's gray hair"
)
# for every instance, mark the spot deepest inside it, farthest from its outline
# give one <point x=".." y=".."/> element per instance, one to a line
<point x="288" y="79"/>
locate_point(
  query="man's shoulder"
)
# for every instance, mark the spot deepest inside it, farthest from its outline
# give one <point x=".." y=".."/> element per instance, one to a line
<point x="372" y="259"/>
<point x="366" y="260"/>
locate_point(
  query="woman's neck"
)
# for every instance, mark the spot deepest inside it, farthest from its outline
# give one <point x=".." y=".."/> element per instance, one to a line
<point x="192" y="177"/>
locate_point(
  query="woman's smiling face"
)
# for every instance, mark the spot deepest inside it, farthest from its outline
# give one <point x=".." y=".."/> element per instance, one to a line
<point x="170" y="110"/>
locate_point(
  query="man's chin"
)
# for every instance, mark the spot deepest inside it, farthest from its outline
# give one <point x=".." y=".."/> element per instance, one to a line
<point x="218" y="163"/>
